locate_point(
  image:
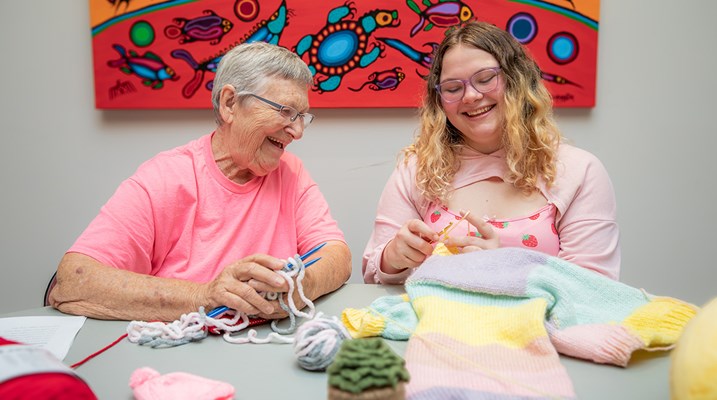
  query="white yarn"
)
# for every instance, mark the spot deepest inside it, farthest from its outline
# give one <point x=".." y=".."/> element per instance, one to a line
<point x="188" y="328"/>
<point x="317" y="342"/>
<point x="193" y="326"/>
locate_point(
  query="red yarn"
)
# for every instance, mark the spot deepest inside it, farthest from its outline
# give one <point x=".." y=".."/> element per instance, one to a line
<point x="252" y="322"/>
<point x="98" y="352"/>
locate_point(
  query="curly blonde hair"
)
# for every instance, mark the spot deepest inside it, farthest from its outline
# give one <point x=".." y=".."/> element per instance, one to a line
<point x="530" y="138"/>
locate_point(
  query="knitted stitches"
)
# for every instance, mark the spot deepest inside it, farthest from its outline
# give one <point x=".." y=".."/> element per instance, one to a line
<point x="382" y="322"/>
<point x="148" y="384"/>
<point x="486" y="321"/>
<point x="367" y="369"/>
<point x="194" y="326"/>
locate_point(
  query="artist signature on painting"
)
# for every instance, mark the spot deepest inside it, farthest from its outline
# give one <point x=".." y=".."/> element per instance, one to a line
<point x="121" y="88"/>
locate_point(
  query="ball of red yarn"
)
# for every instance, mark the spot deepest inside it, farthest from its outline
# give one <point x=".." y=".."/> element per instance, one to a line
<point x="51" y="385"/>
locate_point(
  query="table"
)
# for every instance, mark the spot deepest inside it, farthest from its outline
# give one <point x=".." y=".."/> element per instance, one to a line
<point x="270" y="371"/>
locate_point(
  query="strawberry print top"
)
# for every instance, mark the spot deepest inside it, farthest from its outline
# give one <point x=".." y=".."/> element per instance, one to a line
<point x="535" y="231"/>
<point x="585" y="211"/>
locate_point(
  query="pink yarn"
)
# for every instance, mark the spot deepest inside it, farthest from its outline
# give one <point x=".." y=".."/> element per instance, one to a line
<point x="148" y="384"/>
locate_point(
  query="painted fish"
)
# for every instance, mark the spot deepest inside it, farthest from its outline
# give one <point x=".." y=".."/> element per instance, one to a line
<point x="444" y="14"/>
<point x="149" y="67"/>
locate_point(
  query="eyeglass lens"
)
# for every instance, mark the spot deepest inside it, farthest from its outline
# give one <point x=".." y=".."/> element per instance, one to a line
<point x="482" y="81"/>
<point x="287" y="112"/>
<point x="291" y="114"/>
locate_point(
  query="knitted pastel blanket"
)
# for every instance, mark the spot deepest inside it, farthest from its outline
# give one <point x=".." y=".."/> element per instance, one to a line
<point x="490" y="324"/>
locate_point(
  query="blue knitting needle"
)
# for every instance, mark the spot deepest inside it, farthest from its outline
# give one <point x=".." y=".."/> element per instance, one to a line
<point x="221" y="309"/>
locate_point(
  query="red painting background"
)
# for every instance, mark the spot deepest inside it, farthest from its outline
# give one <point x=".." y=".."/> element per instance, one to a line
<point x="115" y="21"/>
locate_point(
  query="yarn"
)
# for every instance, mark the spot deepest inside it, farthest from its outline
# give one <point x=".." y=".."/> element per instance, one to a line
<point x="490" y="324"/>
<point x="148" y="384"/>
<point x="194" y="326"/>
<point x="188" y="328"/>
<point x="31" y="373"/>
<point x="317" y="342"/>
<point x="367" y="369"/>
<point x="694" y="359"/>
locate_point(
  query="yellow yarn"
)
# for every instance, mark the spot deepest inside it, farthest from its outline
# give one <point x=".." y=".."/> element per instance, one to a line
<point x="482" y="325"/>
<point x="693" y="373"/>
<point x="442" y="250"/>
<point x="660" y="322"/>
<point x="362" y="323"/>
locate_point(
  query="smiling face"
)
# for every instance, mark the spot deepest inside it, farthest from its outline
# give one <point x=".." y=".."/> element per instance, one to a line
<point x="478" y="116"/>
<point x="254" y="136"/>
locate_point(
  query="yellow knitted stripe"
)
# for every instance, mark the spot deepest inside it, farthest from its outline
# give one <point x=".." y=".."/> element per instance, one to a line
<point x="361" y="323"/>
<point x="659" y="323"/>
<point x="514" y="327"/>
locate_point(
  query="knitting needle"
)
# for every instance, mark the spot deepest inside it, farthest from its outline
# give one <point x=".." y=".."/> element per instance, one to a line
<point x="219" y="310"/>
<point x="310" y="252"/>
<point x="222" y="309"/>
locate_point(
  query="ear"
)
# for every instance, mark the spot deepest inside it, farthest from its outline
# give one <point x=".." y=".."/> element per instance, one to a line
<point x="227" y="101"/>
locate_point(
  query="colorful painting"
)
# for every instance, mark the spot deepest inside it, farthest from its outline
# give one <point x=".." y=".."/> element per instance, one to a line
<point x="363" y="53"/>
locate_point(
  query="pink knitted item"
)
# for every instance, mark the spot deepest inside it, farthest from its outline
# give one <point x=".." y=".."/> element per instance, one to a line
<point x="148" y="384"/>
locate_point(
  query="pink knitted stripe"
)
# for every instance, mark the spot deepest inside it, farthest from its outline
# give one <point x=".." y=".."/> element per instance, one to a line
<point x="531" y="371"/>
<point x="605" y="344"/>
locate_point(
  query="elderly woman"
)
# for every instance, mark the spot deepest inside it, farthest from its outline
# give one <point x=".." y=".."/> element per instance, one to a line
<point x="489" y="169"/>
<point x="209" y="223"/>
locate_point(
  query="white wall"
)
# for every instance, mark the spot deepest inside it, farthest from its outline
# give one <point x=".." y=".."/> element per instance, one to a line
<point x="653" y="127"/>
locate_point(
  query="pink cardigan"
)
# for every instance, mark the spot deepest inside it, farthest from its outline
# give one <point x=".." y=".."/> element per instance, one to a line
<point x="582" y="193"/>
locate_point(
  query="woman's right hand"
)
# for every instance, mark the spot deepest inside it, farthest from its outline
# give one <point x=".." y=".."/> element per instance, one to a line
<point x="409" y="248"/>
<point x="239" y="284"/>
<point x="488" y="238"/>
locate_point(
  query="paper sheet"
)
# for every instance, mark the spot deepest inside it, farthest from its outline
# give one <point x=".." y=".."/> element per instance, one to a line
<point x="55" y="334"/>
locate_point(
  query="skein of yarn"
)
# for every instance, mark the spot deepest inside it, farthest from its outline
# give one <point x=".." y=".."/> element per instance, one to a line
<point x="694" y="359"/>
<point x="317" y="341"/>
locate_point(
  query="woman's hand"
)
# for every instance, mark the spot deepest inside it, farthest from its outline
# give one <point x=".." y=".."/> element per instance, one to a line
<point x="239" y="284"/>
<point x="488" y="238"/>
<point x="409" y="248"/>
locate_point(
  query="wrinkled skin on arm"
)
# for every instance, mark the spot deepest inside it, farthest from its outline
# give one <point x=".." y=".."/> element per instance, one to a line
<point x="87" y="287"/>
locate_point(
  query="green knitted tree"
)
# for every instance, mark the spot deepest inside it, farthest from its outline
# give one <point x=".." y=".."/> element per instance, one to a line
<point x="367" y="369"/>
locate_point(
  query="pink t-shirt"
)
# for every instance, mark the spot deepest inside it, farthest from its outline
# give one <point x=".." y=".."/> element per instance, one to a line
<point x="178" y="216"/>
<point x="535" y="231"/>
<point x="582" y="194"/>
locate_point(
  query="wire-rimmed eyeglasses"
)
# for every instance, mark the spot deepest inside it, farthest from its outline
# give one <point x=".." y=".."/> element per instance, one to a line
<point x="483" y="81"/>
<point x="287" y="112"/>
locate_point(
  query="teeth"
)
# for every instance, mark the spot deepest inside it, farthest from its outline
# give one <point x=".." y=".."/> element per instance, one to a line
<point x="277" y="142"/>
<point x="479" y="111"/>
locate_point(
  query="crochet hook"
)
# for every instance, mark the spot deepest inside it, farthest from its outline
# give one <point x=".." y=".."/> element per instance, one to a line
<point x="221" y="309"/>
<point x="451" y="226"/>
<point x="445" y="234"/>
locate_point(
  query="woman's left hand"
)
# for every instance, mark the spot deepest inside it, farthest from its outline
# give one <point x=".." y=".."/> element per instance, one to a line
<point x="487" y="240"/>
